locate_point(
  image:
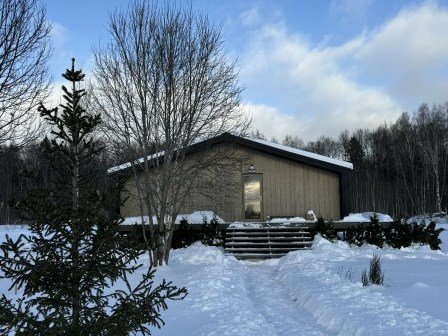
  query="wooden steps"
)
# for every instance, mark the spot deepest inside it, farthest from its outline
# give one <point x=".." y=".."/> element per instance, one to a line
<point x="266" y="242"/>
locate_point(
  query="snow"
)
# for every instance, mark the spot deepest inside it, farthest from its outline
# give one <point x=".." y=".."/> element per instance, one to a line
<point x="292" y="150"/>
<point x="304" y="153"/>
<point x="136" y="162"/>
<point x="365" y="217"/>
<point x="444" y="238"/>
<point x="277" y="222"/>
<point x="287" y="220"/>
<point x="306" y="292"/>
<point x="438" y="218"/>
<point x="240" y="225"/>
<point x="347" y="308"/>
<point x="197" y="217"/>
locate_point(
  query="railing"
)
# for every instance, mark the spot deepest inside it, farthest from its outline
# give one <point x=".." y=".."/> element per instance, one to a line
<point x="338" y="225"/>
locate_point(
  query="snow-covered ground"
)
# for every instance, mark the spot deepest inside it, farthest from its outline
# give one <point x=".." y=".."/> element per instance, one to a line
<point x="328" y="284"/>
<point x="310" y="292"/>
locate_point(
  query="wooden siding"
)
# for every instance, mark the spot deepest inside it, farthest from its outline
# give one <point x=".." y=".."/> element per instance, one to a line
<point x="130" y="208"/>
<point x="289" y="188"/>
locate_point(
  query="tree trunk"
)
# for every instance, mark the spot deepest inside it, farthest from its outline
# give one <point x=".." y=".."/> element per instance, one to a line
<point x="168" y="244"/>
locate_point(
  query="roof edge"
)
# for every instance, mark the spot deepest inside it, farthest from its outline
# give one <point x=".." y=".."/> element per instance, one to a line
<point x="298" y="155"/>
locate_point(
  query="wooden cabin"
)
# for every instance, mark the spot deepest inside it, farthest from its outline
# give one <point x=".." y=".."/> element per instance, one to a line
<point x="271" y="180"/>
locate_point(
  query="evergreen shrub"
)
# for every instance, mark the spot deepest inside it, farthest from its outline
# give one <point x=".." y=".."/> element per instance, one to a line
<point x="402" y="234"/>
<point x="374" y="233"/>
<point x="211" y="234"/>
<point x="184" y="236"/>
<point x="326" y="229"/>
<point x="355" y="235"/>
<point x="375" y="275"/>
<point x="399" y="234"/>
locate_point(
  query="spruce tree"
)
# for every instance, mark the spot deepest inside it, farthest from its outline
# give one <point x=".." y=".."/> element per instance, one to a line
<point x="374" y="232"/>
<point x="432" y="236"/>
<point x="68" y="269"/>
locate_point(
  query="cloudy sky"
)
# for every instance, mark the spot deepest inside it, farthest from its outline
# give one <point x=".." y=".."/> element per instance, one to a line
<point x="309" y="68"/>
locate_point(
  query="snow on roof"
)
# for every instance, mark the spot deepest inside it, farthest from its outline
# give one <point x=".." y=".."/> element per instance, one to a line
<point x="292" y="150"/>
<point x="136" y="162"/>
<point x="305" y="153"/>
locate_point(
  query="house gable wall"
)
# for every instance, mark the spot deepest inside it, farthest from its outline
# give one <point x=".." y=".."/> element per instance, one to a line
<point x="290" y="188"/>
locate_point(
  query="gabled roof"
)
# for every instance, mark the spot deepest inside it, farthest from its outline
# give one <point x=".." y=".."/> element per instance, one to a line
<point x="294" y="154"/>
<point x="300" y="153"/>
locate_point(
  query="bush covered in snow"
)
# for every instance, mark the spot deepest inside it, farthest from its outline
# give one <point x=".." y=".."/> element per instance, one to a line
<point x="209" y="233"/>
<point x="372" y="233"/>
<point x="400" y="233"/>
<point x="325" y="229"/>
<point x="184" y="235"/>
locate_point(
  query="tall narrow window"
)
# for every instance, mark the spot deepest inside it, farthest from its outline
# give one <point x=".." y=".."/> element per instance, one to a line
<point x="252" y="196"/>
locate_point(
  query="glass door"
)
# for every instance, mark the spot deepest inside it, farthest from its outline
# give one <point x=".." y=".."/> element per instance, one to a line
<point x="252" y="196"/>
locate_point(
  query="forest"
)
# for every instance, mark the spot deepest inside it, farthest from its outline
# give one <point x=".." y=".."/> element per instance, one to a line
<point x="399" y="168"/>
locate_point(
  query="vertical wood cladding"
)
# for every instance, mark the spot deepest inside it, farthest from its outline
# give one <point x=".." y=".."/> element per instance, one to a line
<point x="289" y="188"/>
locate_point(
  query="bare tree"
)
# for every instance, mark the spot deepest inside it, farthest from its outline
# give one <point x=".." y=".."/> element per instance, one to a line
<point x="433" y="139"/>
<point x="325" y="146"/>
<point x="24" y="79"/>
<point x="164" y="84"/>
<point x="293" y="141"/>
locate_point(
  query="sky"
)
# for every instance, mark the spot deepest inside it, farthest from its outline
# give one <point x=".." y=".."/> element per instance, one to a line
<point x="308" y="68"/>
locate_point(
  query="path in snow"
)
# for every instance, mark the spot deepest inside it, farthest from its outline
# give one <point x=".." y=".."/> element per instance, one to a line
<point x="272" y="301"/>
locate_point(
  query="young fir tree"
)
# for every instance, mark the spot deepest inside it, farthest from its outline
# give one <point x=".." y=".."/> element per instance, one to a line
<point x="374" y="232"/>
<point x="67" y="270"/>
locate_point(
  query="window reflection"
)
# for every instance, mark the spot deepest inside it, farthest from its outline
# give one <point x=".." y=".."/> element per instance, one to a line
<point x="252" y="196"/>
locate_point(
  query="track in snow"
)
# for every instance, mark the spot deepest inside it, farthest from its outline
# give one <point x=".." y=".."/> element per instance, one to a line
<point x="272" y="301"/>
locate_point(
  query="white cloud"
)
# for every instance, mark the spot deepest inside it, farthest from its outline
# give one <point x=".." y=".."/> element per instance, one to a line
<point x="411" y="51"/>
<point x="323" y="98"/>
<point x="416" y="36"/>
<point x="271" y="121"/>
<point x="250" y="17"/>
<point x="350" y="10"/>
<point x="58" y="32"/>
<point x="318" y="90"/>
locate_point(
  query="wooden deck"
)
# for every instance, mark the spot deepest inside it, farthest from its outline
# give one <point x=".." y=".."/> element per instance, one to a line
<point x="264" y="240"/>
<point x="338" y="226"/>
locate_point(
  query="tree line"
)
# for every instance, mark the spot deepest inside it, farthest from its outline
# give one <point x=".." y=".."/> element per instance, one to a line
<point x="400" y="168"/>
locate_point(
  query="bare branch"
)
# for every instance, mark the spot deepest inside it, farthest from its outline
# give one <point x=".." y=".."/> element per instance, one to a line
<point x="24" y="78"/>
<point x="163" y="83"/>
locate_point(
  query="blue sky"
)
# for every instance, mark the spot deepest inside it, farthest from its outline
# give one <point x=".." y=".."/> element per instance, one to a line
<point x="309" y="68"/>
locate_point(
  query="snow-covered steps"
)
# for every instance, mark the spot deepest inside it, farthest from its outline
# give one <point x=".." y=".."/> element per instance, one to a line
<point x="266" y="242"/>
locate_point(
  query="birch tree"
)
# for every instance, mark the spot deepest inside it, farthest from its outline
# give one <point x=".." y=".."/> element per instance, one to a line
<point x="164" y="83"/>
<point x="433" y="139"/>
